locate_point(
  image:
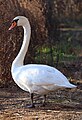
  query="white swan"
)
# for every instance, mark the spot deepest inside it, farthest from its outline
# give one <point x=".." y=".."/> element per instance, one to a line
<point x="40" y="79"/>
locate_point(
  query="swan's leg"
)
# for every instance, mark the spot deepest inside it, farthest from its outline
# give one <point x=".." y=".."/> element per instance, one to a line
<point x="32" y="104"/>
<point x="44" y="101"/>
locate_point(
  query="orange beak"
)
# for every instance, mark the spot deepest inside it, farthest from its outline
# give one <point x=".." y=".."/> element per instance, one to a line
<point x="14" y="24"/>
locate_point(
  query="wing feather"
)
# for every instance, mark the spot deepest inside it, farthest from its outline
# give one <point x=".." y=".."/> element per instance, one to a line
<point x="43" y="75"/>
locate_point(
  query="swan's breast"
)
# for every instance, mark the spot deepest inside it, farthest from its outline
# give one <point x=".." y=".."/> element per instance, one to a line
<point x="21" y="79"/>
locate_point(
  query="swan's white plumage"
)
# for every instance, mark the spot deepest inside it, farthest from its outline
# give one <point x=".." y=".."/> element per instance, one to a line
<point x="35" y="78"/>
<point x="40" y="78"/>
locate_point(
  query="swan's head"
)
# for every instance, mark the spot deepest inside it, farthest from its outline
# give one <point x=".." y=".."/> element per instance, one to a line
<point x="18" y="21"/>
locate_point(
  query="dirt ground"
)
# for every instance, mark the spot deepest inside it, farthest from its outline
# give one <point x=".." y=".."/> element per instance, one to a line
<point x="61" y="105"/>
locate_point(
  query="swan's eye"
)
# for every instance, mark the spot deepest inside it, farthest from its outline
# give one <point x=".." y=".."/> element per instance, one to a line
<point x="13" y="25"/>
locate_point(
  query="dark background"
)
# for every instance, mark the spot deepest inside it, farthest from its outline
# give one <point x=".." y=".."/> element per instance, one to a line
<point x="56" y="37"/>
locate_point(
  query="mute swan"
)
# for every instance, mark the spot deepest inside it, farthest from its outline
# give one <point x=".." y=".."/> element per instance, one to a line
<point x="40" y="79"/>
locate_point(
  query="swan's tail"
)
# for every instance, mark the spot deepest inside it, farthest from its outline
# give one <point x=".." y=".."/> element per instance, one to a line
<point x="69" y="86"/>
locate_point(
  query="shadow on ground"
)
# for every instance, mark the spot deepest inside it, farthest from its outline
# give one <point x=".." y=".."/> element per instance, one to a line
<point x="63" y="104"/>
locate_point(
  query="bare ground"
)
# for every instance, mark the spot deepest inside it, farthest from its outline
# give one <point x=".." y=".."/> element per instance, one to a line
<point x="61" y="105"/>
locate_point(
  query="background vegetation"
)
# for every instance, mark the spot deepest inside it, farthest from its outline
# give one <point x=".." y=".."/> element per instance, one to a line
<point x="56" y="35"/>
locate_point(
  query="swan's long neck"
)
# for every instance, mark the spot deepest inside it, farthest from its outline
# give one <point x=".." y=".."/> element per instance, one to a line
<point x="20" y="57"/>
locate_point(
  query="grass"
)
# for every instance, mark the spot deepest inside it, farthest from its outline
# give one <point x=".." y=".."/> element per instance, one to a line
<point x="44" y="54"/>
<point x="69" y="48"/>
